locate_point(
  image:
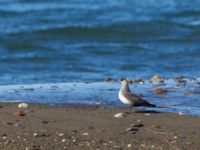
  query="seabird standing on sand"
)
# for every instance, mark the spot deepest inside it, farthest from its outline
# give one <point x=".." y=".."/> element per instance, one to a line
<point x="129" y="98"/>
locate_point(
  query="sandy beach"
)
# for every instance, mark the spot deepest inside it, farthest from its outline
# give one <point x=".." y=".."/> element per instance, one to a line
<point x="43" y="127"/>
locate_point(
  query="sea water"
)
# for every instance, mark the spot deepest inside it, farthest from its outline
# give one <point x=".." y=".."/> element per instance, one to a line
<point x="77" y="41"/>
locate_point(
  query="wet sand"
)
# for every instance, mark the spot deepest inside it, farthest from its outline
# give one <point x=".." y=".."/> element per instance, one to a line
<point x="91" y="128"/>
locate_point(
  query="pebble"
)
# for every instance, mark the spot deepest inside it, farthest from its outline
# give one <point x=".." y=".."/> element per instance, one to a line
<point x="98" y="103"/>
<point x="120" y="115"/>
<point x="129" y="145"/>
<point x="147" y="114"/>
<point x="139" y="81"/>
<point x="173" y="142"/>
<point x="175" y="137"/>
<point x="4" y="136"/>
<point x="107" y="79"/>
<point x="44" y="121"/>
<point x="139" y="125"/>
<point x="63" y="140"/>
<point x="156" y="78"/>
<point x="142" y="145"/>
<point x="181" y="113"/>
<point x="186" y="92"/>
<point x="20" y="114"/>
<point x="156" y="126"/>
<point x="85" y="134"/>
<point x="23" y="105"/>
<point x="177" y="87"/>
<point x="160" y="91"/>
<point x="60" y="134"/>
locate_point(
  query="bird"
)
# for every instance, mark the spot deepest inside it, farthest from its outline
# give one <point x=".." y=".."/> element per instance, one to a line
<point x="127" y="97"/>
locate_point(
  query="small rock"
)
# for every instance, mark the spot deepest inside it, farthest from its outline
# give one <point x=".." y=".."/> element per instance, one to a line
<point x="23" y="105"/>
<point x="173" y="142"/>
<point x="120" y="115"/>
<point x="196" y="91"/>
<point x="180" y="79"/>
<point x="160" y="91"/>
<point x="142" y="145"/>
<point x="9" y="123"/>
<point x="60" y="134"/>
<point x="138" y="125"/>
<point x="186" y="92"/>
<point x="98" y="103"/>
<point x="156" y="78"/>
<point x="175" y="137"/>
<point x="85" y="134"/>
<point x="44" y="121"/>
<point x="129" y="145"/>
<point x="107" y="79"/>
<point x="147" y="114"/>
<point x="74" y="131"/>
<point x="152" y="146"/>
<point x="181" y="113"/>
<point x="4" y="134"/>
<point x="63" y="140"/>
<point x="20" y="114"/>
<point x="91" y="127"/>
<point x="177" y="87"/>
<point x="139" y="81"/>
<point x="156" y="126"/>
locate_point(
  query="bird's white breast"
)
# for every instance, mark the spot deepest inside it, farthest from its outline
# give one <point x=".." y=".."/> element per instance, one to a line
<point x="123" y="99"/>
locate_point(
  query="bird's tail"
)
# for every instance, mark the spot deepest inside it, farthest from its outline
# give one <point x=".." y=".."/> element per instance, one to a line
<point x="151" y="105"/>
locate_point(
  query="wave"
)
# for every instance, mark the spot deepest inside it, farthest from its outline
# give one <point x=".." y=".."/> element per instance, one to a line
<point x="131" y="29"/>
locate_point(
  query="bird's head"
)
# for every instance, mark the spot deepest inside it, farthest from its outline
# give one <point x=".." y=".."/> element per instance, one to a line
<point x="124" y="81"/>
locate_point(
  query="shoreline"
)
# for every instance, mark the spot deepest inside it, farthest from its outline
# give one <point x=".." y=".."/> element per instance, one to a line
<point x="94" y="127"/>
<point x="174" y="99"/>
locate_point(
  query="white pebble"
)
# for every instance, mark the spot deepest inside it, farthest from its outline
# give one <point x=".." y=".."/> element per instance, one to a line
<point x="175" y="137"/>
<point x="60" y="134"/>
<point x="85" y="134"/>
<point x="147" y="114"/>
<point x="119" y="115"/>
<point x="181" y="113"/>
<point x="23" y="105"/>
<point x="129" y="145"/>
<point x="35" y="134"/>
<point x="63" y="140"/>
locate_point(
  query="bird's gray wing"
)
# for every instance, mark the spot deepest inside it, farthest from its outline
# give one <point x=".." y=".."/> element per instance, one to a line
<point x="136" y="100"/>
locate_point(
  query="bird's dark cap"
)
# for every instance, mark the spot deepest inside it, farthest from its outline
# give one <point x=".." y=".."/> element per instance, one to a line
<point x="124" y="78"/>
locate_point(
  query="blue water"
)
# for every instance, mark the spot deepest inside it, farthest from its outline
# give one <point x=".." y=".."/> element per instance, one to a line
<point x="77" y="41"/>
<point x="70" y="41"/>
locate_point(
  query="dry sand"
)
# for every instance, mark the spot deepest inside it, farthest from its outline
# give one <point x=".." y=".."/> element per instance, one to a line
<point x="91" y="128"/>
